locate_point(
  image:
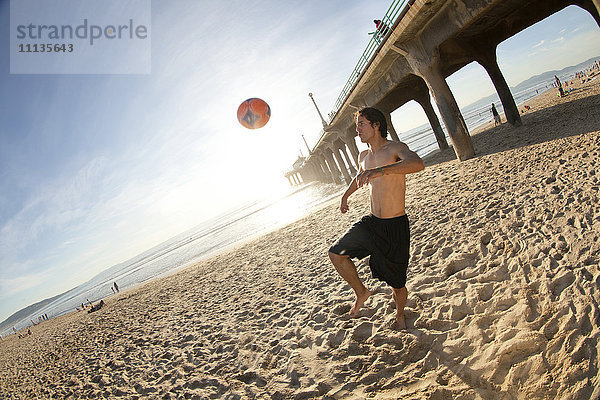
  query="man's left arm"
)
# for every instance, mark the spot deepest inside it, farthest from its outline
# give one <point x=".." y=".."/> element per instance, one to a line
<point x="408" y="163"/>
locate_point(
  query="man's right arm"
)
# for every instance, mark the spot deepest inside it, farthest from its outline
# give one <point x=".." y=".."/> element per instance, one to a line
<point x="353" y="187"/>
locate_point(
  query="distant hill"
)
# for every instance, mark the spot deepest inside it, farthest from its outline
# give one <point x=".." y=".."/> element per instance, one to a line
<point x="25" y="312"/>
<point x="549" y="75"/>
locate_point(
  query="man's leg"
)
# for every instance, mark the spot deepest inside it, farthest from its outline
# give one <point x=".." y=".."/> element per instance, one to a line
<point x="400" y="296"/>
<point x="347" y="270"/>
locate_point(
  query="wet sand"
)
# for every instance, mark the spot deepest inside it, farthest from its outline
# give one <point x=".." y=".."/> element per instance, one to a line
<point x="503" y="294"/>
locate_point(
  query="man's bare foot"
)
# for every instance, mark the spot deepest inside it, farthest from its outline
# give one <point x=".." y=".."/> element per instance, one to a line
<point x="398" y="324"/>
<point x="360" y="300"/>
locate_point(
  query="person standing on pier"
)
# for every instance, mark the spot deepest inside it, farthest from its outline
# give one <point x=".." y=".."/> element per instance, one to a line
<point x="382" y="28"/>
<point x="384" y="234"/>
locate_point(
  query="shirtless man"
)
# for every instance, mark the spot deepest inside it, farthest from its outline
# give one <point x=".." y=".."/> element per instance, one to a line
<point x="383" y="235"/>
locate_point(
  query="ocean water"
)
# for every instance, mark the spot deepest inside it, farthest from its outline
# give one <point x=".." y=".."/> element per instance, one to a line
<point x="247" y="221"/>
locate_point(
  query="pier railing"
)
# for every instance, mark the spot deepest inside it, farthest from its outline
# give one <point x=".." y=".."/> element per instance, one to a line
<point x="394" y="13"/>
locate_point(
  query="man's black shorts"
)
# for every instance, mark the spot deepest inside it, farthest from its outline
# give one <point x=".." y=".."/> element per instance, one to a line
<point x="386" y="240"/>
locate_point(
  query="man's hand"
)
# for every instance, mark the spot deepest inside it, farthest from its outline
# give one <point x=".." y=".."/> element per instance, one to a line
<point x="344" y="206"/>
<point x="367" y="176"/>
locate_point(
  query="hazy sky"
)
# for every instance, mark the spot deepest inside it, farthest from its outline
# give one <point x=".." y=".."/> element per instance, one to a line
<point x="95" y="169"/>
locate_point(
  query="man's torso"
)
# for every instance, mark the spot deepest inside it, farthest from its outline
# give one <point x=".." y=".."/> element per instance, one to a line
<point x="388" y="191"/>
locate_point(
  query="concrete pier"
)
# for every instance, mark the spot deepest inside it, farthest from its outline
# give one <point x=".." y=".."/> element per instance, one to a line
<point x="429" y="41"/>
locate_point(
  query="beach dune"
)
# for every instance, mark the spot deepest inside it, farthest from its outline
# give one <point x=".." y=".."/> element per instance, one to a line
<point x="503" y="294"/>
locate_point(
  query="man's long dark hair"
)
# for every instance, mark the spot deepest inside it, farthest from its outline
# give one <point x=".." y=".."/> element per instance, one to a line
<point x="373" y="115"/>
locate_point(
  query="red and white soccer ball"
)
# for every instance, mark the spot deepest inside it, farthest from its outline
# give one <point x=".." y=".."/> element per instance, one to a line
<point x="254" y="113"/>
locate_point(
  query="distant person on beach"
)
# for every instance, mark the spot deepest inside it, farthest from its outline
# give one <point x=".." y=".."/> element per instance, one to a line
<point x="96" y="307"/>
<point x="558" y="84"/>
<point x="384" y="234"/>
<point x="561" y="91"/>
<point x="497" y="120"/>
<point x="116" y="286"/>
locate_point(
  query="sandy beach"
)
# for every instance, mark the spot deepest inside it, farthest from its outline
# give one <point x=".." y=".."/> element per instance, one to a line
<point x="504" y="292"/>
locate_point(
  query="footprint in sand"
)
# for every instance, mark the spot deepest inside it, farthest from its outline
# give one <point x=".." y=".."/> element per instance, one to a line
<point x="362" y="331"/>
<point x="459" y="261"/>
<point x="251" y="377"/>
<point x="335" y="339"/>
<point x="341" y="309"/>
<point x="561" y="282"/>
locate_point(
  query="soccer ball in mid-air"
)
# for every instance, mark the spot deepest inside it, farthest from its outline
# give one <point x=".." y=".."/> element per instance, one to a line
<point x="254" y="113"/>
